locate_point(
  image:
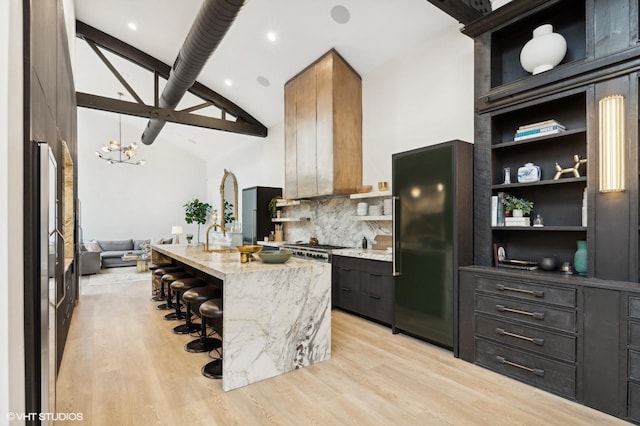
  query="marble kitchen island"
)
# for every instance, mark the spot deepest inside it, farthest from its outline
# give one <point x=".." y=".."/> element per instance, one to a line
<point x="277" y="317"/>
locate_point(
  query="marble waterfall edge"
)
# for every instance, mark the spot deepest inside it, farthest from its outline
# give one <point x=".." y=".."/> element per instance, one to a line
<point x="281" y="321"/>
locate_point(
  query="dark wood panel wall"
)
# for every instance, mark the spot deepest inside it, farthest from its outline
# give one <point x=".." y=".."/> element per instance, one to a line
<point x="49" y="117"/>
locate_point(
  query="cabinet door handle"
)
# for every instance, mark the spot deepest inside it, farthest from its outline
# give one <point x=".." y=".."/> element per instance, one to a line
<point x="536" y="371"/>
<point x="535" y="315"/>
<point x="375" y="275"/>
<point x="502" y="287"/>
<point x="346" y="289"/>
<point x="346" y="269"/>
<point x="534" y="340"/>
<point x="373" y="296"/>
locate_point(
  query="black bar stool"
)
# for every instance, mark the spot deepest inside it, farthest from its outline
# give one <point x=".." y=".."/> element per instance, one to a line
<point x="152" y="267"/>
<point x="196" y="297"/>
<point x="168" y="279"/>
<point x="159" y="272"/>
<point x="179" y="287"/>
<point x="213" y="309"/>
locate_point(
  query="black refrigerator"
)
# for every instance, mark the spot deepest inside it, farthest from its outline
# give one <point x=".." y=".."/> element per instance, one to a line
<point x="433" y="236"/>
<point x="256" y="219"/>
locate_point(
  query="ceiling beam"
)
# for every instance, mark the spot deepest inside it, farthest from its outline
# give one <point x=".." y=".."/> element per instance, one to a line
<point x="459" y="9"/>
<point x="126" y="51"/>
<point x="147" y="111"/>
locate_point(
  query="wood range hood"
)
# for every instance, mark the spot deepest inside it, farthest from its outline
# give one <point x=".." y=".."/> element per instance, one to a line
<point x="323" y="130"/>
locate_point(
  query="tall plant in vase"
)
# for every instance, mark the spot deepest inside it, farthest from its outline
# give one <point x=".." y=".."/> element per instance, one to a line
<point x="197" y="211"/>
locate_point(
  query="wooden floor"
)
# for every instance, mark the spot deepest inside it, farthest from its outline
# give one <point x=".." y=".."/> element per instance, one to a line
<point x="123" y="366"/>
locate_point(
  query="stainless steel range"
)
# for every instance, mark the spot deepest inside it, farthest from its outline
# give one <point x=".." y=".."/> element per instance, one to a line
<point x="319" y="252"/>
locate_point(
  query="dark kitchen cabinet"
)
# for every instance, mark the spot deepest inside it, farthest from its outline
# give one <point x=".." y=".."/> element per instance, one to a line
<point x="633" y="357"/>
<point x="364" y="287"/>
<point x="256" y="219"/>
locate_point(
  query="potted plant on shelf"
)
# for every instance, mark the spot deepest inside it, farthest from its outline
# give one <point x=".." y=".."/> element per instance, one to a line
<point x="517" y="207"/>
<point x="196" y="211"/>
<point x="273" y="209"/>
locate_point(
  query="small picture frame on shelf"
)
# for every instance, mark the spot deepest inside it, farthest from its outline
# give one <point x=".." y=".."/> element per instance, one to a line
<point x="499" y="253"/>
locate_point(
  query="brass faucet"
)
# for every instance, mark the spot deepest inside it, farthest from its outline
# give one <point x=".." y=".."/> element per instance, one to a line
<point x="214" y="226"/>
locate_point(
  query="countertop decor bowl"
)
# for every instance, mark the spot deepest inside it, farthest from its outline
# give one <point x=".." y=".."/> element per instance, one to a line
<point x="250" y="248"/>
<point x="273" y="256"/>
<point x="363" y="189"/>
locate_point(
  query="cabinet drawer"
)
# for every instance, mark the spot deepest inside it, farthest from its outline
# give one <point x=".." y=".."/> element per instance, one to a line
<point x="529" y="291"/>
<point x="377" y="308"/>
<point x="634" y="365"/>
<point x="535" y="314"/>
<point x="634" y="307"/>
<point x="544" y="373"/>
<point x="528" y="338"/>
<point x="634" y="333"/>
<point x="376" y="285"/>
<point x="634" y="402"/>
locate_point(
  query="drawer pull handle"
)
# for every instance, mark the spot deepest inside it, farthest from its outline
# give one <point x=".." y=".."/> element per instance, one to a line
<point x="348" y="290"/>
<point x="536" y="315"/>
<point x="346" y="269"/>
<point x="534" y="340"/>
<point x="375" y="275"/>
<point x="373" y="296"/>
<point x="536" y="371"/>
<point x="520" y="290"/>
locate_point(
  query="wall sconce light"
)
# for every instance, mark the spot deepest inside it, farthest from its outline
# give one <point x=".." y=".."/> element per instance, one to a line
<point x="612" y="143"/>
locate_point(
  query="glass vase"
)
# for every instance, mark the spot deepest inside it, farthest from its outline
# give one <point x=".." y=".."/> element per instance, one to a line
<point x="580" y="258"/>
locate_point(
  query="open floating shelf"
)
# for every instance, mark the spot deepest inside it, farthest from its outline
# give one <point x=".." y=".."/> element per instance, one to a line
<point x="560" y="181"/>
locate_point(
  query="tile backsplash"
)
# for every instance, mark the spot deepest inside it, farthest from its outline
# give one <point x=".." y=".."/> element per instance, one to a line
<point x="332" y="222"/>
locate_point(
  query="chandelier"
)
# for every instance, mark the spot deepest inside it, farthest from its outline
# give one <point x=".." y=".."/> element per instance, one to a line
<point x="115" y="153"/>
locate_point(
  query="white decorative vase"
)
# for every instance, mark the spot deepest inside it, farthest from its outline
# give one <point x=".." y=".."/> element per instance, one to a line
<point x="518" y="213"/>
<point x="544" y="51"/>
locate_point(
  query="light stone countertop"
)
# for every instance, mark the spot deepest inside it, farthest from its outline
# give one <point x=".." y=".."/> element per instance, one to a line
<point x="371" y="254"/>
<point x="220" y="265"/>
<point x="277" y="317"/>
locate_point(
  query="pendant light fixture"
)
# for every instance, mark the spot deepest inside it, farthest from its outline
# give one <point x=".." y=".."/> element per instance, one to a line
<point x="121" y="154"/>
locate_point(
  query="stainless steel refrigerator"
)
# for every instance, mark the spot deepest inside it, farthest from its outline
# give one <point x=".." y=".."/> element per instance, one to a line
<point x="433" y="236"/>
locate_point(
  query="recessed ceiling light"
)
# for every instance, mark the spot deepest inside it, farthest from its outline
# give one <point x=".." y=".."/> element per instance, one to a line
<point x="340" y="14"/>
<point x="228" y="82"/>
<point x="263" y="81"/>
<point x="272" y="36"/>
<point x="132" y="26"/>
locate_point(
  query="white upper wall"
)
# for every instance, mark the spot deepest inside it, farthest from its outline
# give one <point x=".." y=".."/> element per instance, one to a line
<point x="122" y="201"/>
<point x="419" y="98"/>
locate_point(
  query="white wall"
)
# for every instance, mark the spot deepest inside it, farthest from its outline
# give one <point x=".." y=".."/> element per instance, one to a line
<point x="12" y="385"/>
<point x="122" y="201"/>
<point x="420" y="98"/>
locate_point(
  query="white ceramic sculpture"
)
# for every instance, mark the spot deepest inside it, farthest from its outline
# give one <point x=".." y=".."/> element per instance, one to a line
<point x="544" y="51"/>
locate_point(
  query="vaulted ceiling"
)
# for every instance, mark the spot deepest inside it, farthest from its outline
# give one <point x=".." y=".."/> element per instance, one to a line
<point x="257" y="68"/>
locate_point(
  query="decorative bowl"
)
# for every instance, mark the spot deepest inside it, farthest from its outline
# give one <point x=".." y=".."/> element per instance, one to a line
<point x="363" y="189"/>
<point x="249" y="248"/>
<point x="273" y="256"/>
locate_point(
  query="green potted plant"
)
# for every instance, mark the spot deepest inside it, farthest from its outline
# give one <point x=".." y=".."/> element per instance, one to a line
<point x="273" y="209"/>
<point x="517" y="207"/>
<point x="196" y="211"/>
<point x="228" y="213"/>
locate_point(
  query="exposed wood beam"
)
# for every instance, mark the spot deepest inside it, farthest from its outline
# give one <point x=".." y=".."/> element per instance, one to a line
<point x="147" y="111"/>
<point x="114" y="71"/>
<point x="161" y="69"/>
<point x="458" y="9"/>
<point x="197" y="107"/>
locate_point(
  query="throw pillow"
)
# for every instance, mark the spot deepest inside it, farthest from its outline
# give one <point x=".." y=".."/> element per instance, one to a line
<point x="157" y="240"/>
<point x="167" y="240"/>
<point x="93" y="246"/>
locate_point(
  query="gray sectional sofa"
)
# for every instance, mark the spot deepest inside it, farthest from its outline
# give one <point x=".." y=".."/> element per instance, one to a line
<point x="110" y="254"/>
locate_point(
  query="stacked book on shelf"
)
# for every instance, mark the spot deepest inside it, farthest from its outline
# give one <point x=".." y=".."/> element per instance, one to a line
<point x="535" y="130"/>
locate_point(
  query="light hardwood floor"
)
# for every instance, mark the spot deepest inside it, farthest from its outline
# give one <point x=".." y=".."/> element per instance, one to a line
<point x="123" y="366"/>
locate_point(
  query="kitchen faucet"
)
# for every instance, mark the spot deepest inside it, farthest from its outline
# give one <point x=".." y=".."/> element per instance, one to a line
<point x="214" y="226"/>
